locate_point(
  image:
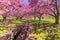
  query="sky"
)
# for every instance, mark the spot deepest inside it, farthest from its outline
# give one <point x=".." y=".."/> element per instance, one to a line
<point x="26" y="1"/>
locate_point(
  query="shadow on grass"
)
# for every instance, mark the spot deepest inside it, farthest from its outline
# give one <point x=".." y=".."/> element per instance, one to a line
<point x="50" y="29"/>
<point x="1" y="20"/>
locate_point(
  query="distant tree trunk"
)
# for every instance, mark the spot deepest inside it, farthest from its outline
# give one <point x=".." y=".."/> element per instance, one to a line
<point x="57" y="19"/>
<point x="57" y="16"/>
<point x="17" y="18"/>
<point x="4" y="18"/>
<point x="39" y="21"/>
<point x="20" y="18"/>
<point x="34" y="17"/>
<point x="40" y="17"/>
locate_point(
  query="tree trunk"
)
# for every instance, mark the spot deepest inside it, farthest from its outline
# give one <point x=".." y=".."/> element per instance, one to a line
<point x="57" y="19"/>
<point x="34" y="17"/>
<point x="20" y="18"/>
<point x="4" y="18"/>
<point x="57" y="16"/>
<point x="17" y="18"/>
<point x="39" y="20"/>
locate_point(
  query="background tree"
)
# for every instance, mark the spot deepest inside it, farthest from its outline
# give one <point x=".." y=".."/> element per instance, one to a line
<point x="17" y="7"/>
<point x="53" y="7"/>
<point x="38" y="8"/>
<point x="5" y="11"/>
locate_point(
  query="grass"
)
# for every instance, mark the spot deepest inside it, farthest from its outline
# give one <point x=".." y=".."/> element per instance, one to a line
<point x="48" y="20"/>
<point x="43" y="34"/>
<point x="5" y="28"/>
<point x="40" y="34"/>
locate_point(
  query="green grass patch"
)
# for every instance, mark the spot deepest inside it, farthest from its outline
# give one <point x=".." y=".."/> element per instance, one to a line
<point x="48" y="20"/>
<point x="4" y="28"/>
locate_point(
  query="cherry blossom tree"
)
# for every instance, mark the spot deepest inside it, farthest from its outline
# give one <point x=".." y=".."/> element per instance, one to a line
<point x="18" y="8"/>
<point x="4" y="10"/>
<point x="53" y="10"/>
<point x="37" y="10"/>
<point x="32" y="2"/>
